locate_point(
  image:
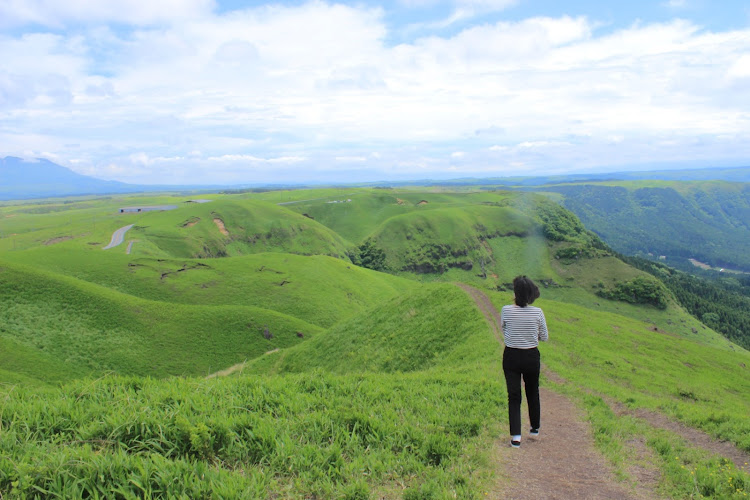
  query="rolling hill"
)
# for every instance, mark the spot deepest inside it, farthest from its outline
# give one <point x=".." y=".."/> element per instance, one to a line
<point x="344" y="382"/>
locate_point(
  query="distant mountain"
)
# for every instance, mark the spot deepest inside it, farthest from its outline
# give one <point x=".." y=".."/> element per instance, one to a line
<point x="41" y="178"/>
<point x="735" y="174"/>
<point x="22" y="179"/>
<point x="708" y="221"/>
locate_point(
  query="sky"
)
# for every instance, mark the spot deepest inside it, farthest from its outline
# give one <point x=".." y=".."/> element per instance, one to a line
<point x="252" y="92"/>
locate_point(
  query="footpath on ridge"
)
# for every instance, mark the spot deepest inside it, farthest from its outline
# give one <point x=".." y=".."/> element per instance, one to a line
<point x="562" y="462"/>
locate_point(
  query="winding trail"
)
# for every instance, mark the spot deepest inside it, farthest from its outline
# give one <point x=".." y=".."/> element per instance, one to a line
<point x="118" y="237"/>
<point x="562" y="462"/>
<point x="236" y="368"/>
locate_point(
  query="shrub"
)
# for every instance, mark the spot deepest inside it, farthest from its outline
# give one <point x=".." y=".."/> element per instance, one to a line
<point x="639" y="290"/>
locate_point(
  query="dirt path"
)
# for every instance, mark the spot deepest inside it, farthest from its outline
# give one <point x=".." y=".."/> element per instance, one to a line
<point x="693" y="436"/>
<point x="236" y="368"/>
<point x="562" y="462"/>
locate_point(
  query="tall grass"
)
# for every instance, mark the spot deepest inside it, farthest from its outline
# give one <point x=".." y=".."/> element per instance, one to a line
<point x="312" y="435"/>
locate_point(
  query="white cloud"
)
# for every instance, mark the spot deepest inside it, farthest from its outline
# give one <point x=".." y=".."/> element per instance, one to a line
<point x="278" y="86"/>
<point x="351" y="159"/>
<point x="57" y="13"/>
<point x="740" y="68"/>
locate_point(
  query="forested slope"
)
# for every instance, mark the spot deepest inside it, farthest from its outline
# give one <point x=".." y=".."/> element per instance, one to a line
<point x="707" y="221"/>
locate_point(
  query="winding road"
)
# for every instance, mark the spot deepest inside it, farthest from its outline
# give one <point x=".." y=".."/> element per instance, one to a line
<point x="118" y="237"/>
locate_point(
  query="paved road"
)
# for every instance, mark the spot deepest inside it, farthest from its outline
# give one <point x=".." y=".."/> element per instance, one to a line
<point x="118" y="237"/>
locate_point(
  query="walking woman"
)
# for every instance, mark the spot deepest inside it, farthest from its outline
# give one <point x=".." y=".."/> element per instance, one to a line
<point x="523" y="327"/>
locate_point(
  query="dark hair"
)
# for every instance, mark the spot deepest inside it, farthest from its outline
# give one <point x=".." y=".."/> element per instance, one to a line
<point x="526" y="291"/>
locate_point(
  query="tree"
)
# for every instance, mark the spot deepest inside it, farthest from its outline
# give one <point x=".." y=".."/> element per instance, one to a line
<point x="371" y="256"/>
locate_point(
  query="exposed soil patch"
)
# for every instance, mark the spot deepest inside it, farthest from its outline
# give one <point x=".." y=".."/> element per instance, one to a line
<point x="191" y="222"/>
<point x="399" y="201"/>
<point x="59" y="239"/>
<point x="220" y="224"/>
<point x="185" y="267"/>
<point x="700" y="264"/>
<point x="491" y="314"/>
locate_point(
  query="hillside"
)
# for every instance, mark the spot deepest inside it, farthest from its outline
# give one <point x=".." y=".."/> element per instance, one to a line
<point x="345" y="382"/>
<point x="95" y="329"/>
<point x="705" y="221"/>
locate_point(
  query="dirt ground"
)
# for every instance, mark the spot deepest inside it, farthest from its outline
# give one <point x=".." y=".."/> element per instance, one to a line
<point x="220" y="224"/>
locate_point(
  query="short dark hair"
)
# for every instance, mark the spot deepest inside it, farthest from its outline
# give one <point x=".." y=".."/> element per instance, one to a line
<point x="526" y="291"/>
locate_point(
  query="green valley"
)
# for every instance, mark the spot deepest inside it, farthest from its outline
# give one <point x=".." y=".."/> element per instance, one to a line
<point x="706" y="221"/>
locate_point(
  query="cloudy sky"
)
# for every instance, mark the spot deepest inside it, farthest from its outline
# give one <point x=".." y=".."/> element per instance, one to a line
<point x="231" y="91"/>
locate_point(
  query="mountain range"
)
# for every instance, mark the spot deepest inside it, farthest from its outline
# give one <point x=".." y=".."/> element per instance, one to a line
<point x="22" y="179"/>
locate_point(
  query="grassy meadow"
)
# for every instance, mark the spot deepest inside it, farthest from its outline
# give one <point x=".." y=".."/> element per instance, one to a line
<point x="347" y="382"/>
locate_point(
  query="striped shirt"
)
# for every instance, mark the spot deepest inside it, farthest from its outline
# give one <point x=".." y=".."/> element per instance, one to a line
<point x="523" y="327"/>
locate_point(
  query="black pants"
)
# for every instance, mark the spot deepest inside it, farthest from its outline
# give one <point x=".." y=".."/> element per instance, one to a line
<point x="524" y="363"/>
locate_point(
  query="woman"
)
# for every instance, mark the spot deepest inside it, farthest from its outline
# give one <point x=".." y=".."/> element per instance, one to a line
<point x="523" y="327"/>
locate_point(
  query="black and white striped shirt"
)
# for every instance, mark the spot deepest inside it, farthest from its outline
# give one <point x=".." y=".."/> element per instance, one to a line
<point x="523" y="327"/>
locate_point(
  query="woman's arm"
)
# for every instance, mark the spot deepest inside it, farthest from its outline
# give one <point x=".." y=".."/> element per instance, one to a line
<point x="543" y="334"/>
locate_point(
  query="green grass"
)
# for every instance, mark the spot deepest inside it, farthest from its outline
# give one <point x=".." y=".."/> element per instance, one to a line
<point x="251" y="227"/>
<point x="24" y="364"/>
<point x="369" y="209"/>
<point x="314" y="435"/>
<point x="436" y="327"/>
<point x="98" y="329"/>
<point x="393" y="391"/>
<point x="317" y="289"/>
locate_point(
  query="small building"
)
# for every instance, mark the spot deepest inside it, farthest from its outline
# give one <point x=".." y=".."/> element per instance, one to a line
<point x="154" y="208"/>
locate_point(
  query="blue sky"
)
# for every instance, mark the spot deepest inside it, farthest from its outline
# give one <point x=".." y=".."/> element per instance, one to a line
<point x="203" y="91"/>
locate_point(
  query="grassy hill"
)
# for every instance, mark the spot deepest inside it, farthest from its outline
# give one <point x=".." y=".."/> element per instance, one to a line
<point x="229" y="228"/>
<point x="393" y="390"/>
<point x="405" y="334"/>
<point x="96" y="329"/>
<point x="317" y="289"/>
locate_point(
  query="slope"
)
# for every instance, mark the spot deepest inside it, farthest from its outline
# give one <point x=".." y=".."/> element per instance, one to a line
<point x="430" y="328"/>
<point x="317" y="289"/>
<point x="96" y="329"/>
<point x="707" y="221"/>
<point x="229" y="228"/>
